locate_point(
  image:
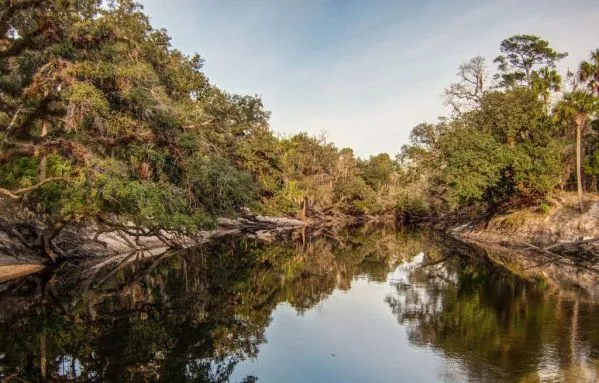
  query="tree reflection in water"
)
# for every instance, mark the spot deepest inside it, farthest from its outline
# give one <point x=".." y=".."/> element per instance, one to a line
<point x="194" y="315"/>
<point x="497" y="326"/>
<point x="179" y="316"/>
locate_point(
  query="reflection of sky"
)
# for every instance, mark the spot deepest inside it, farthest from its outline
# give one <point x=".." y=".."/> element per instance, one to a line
<point x="350" y="337"/>
<point x="69" y="367"/>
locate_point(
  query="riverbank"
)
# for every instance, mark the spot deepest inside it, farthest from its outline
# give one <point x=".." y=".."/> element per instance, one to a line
<point x="544" y="225"/>
<point x="527" y="232"/>
<point x="23" y="248"/>
<point x="23" y="233"/>
<point x="555" y="243"/>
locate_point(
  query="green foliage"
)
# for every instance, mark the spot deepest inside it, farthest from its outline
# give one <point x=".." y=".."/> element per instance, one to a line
<point x="536" y="169"/>
<point x="591" y="165"/>
<point x="504" y="150"/>
<point x="413" y="207"/>
<point x="87" y="98"/>
<point x="136" y="131"/>
<point x="377" y="170"/>
<point x="145" y="202"/>
<point x="20" y="172"/>
<point x="356" y="194"/>
<point x="512" y="117"/>
<point x="520" y="55"/>
<point x="544" y="208"/>
<point x="219" y="187"/>
<point x="146" y="137"/>
<point x="474" y="167"/>
<point x="507" y="152"/>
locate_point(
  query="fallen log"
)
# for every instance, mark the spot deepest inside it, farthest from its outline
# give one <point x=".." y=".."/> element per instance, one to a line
<point x="259" y="221"/>
<point x="8" y="272"/>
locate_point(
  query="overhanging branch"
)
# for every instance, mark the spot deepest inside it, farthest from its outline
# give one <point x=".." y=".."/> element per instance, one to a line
<point x="18" y="194"/>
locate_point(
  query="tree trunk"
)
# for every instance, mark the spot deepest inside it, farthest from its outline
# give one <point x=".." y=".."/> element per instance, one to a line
<point x="579" y="163"/>
<point x="594" y="186"/>
<point x="43" y="160"/>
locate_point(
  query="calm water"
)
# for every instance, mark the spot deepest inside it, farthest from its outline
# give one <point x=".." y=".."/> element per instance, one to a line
<point x="365" y="306"/>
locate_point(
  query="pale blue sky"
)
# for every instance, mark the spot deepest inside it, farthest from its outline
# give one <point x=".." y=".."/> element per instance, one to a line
<point x="364" y="71"/>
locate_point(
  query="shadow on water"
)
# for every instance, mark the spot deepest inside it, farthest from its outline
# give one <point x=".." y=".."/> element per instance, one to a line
<point x="194" y="315"/>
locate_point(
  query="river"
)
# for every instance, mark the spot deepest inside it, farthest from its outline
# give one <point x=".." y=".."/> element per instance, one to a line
<point x="357" y="306"/>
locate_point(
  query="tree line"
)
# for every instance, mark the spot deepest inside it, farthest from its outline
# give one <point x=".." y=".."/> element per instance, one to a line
<point x="515" y="135"/>
<point x="101" y="118"/>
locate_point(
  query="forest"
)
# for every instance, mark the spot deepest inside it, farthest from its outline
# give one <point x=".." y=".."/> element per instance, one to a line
<point x="108" y="132"/>
<point x="102" y="119"/>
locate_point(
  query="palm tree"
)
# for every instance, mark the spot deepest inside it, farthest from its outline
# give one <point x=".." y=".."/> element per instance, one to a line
<point x="588" y="72"/>
<point x="578" y="107"/>
<point x="544" y="81"/>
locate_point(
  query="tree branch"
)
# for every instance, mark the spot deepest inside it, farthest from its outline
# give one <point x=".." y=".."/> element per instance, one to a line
<point x="18" y="194"/>
<point x="12" y="123"/>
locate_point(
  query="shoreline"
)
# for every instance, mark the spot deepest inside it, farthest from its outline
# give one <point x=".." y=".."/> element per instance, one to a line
<point x="560" y="246"/>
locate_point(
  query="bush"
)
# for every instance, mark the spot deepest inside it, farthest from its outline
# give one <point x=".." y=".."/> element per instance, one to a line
<point x="356" y="195"/>
<point x="219" y="187"/>
<point x="544" y="208"/>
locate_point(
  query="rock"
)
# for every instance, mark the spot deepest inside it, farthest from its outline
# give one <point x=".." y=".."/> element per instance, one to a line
<point x="561" y="223"/>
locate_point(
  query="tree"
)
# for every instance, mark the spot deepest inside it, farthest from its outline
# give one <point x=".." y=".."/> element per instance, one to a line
<point x="473" y="167"/>
<point x="501" y="152"/>
<point x="467" y="92"/>
<point x="376" y="170"/>
<point x="101" y="118"/>
<point x="577" y="107"/>
<point x="520" y="55"/>
<point x="544" y="81"/>
<point x="588" y="72"/>
<point x="580" y="107"/>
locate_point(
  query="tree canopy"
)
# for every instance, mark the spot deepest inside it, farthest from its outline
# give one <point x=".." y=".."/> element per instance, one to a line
<point x="101" y="118"/>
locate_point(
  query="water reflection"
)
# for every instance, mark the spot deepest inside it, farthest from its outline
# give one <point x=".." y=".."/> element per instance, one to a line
<point x="499" y="326"/>
<point x="205" y="315"/>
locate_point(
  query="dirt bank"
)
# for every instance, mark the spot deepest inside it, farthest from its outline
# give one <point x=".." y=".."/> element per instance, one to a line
<point x="544" y="225"/>
<point x="561" y="275"/>
<point x="555" y="243"/>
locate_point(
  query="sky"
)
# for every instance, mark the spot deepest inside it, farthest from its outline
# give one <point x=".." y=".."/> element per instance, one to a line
<point x="364" y="72"/>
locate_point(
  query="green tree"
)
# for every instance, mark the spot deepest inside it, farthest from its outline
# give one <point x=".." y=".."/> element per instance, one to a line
<point x="520" y="56"/>
<point x="588" y="72"/>
<point x="545" y="81"/>
<point x="501" y="151"/>
<point x="93" y="97"/>
<point x="377" y="170"/>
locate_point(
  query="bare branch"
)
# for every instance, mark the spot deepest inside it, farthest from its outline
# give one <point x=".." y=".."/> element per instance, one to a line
<point x="470" y="87"/>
